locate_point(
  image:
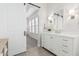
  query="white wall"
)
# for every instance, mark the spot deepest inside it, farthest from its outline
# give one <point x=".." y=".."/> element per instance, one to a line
<point x="71" y="26"/>
<point x="67" y="27"/>
<point x="3" y="21"/>
<point x="12" y="25"/>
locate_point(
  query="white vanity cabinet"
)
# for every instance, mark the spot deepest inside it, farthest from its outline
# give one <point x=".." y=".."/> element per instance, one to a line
<point x="61" y="45"/>
<point x="51" y="42"/>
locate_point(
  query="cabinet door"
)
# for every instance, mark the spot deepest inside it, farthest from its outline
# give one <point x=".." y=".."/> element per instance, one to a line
<point x="42" y="39"/>
<point x="46" y="41"/>
<point x="57" y="44"/>
<point x="51" y="43"/>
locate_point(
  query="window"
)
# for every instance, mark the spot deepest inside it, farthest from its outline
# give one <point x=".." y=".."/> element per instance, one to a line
<point x="34" y="25"/>
<point x="30" y="26"/>
<point x="37" y="25"/>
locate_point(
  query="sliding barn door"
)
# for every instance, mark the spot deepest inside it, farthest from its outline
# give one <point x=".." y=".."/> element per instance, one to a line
<point x="16" y="25"/>
<point x="12" y="26"/>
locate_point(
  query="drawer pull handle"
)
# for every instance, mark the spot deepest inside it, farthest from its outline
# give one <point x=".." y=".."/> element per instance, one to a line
<point x="65" y="45"/>
<point x="64" y="51"/>
<point x="65" y="40"/>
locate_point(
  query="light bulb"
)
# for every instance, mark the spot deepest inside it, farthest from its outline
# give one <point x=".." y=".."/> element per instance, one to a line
<point x="72" y="12"/>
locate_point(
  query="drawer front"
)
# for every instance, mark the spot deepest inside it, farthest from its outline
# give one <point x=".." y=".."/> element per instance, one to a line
<point x="67" y="46"/>
<point x="50" y="36"/>
<point x="67" y="41"/>
<point x="65" y="53"/>
<point x="67" y="50"/>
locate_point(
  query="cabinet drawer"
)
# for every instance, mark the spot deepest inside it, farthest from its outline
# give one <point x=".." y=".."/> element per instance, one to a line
<point x="66" y="53"/>
<point x="50" y="36"/>
<point x="67" y="46"/>
<point x="66" y="50"/>
<point x="47" y="37"/>
<point x="67" y="41"/>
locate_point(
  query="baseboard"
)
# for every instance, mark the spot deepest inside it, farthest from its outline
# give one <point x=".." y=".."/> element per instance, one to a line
<point x="49" y="51"/>
<point x="19" y="53"/>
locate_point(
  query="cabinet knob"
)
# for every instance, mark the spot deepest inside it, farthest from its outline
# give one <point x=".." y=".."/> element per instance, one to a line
<point x="64" y="45"/>
<point x="24" y="33"/>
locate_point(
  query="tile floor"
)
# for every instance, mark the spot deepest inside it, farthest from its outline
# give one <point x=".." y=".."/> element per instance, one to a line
<point x="37" y="51"/>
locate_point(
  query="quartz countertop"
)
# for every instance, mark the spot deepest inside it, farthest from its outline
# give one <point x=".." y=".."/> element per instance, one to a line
<point x="63" y="34"/>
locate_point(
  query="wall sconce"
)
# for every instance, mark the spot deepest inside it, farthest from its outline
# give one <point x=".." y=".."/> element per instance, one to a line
<point x="58" y="15"/>
<point x="72" y="14"/>
<point x="72" y="11"/>
<point x="50" y="18"/>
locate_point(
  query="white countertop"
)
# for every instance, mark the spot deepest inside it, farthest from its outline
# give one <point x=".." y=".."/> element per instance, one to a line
<point x="63" y="34"/>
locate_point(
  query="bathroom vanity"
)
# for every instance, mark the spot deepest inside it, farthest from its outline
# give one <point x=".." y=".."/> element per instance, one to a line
<point x="3" y="47"/>
<point x="61" y="44"/>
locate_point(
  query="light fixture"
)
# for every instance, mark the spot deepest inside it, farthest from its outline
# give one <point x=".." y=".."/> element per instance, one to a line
<point x="50" y="18"/>
<point x="72" y="13"/>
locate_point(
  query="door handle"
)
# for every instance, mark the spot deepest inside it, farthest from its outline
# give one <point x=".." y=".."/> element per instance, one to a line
<point x="24" y="33"/>
<point x="65" y="40"/>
